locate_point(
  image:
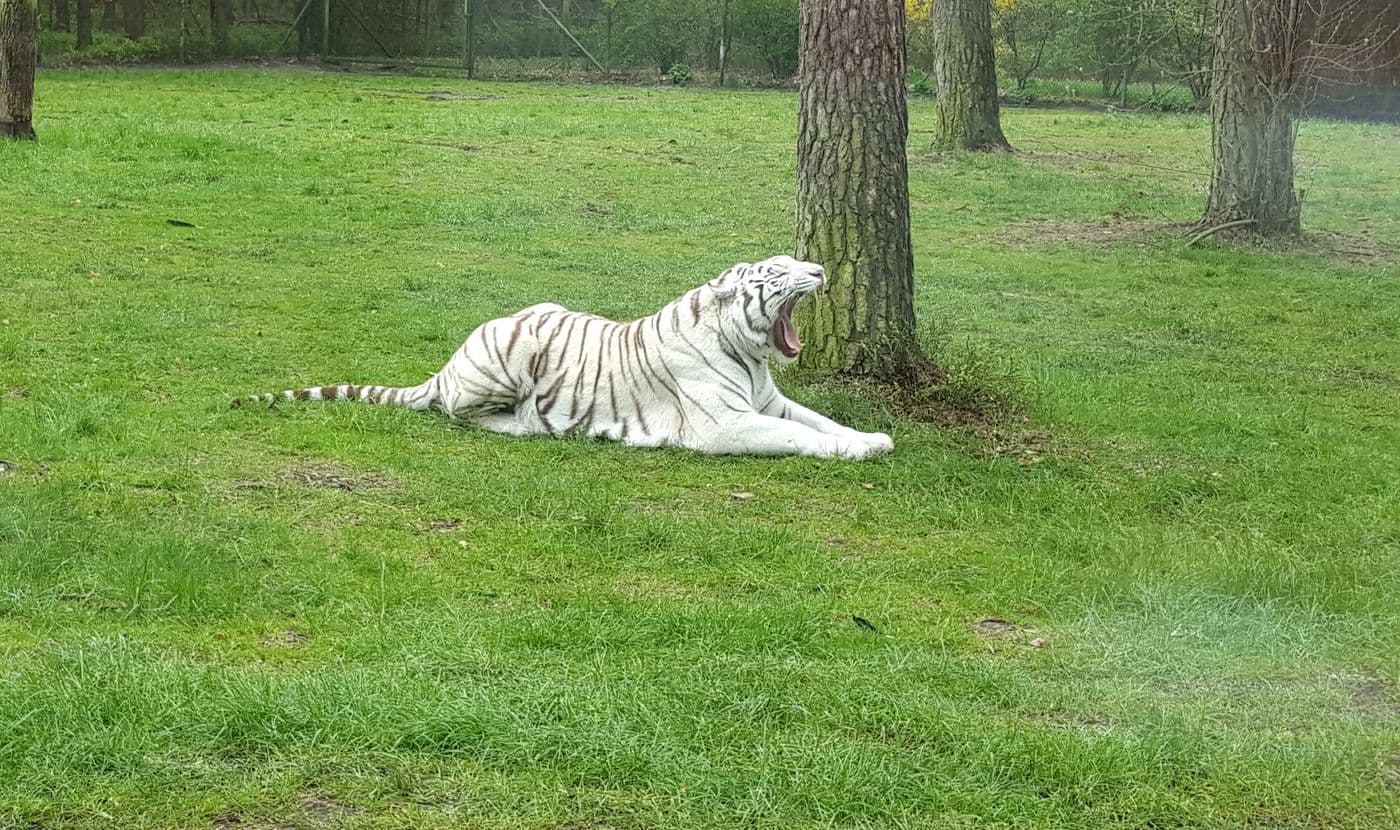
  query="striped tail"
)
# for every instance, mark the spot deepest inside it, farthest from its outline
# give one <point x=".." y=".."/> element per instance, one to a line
<point x="422" y="396"/>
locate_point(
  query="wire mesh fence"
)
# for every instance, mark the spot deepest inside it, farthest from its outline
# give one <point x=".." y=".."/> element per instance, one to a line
<point x="752" y="39"/>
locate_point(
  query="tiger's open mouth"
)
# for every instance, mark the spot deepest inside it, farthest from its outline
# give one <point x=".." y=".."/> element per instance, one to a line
<point x="785" y="338"/>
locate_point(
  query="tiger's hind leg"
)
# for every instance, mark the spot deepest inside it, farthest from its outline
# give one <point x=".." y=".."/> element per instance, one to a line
<point x="487" y="373"/>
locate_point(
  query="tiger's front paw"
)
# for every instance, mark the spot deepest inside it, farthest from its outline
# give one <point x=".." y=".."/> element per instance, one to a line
<point x="861" y="446"/>
<point x="878" y="442"/>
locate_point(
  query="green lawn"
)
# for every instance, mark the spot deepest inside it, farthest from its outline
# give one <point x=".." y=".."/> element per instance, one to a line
<point x="345" y="616"/>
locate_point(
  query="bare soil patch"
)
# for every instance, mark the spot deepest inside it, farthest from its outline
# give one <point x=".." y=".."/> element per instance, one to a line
<point x="1118" y="229"/>
<point x="331" y="476"/>
<point x="290" y="637"/>
<point x="322" y="806"/>
<point x="1111" y="230"/>
<point x="997" y="627"/>
<point x="1072" y="721"/>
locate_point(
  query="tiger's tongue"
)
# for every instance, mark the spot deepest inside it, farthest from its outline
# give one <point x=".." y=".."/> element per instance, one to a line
<point x="785" y="335"/>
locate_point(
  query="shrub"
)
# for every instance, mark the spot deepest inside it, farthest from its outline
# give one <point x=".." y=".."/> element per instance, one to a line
<point x="664" y="33"/>
<point x="679" y="74"/>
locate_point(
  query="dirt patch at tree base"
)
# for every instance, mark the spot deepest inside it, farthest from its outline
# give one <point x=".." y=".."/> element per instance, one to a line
<point x="1151" y="233"/>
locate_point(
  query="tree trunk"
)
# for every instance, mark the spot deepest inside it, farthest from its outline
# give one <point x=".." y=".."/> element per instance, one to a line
<point x="220" y="18"/>
<point x="853" y="189"/>
<point x="1254" y="109"/>
<point x="61" y="16"/>
<point x="134" y="18"/>
<point x="84" y="25"/>
<point x="19" y="54"/>
<point x="969" y="116"/>
<point x="109" y="21"/>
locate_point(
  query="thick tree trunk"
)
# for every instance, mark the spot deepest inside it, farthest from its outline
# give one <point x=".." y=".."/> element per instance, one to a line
<point x="19" y="53"/>
<point x="220" y="19"/>
<point x="1255" y="103"/>
<point x="84" y="25"/>
<point x="134" y="18"/>
<point x="964" y="66"/>
<point x="853" y="189"/>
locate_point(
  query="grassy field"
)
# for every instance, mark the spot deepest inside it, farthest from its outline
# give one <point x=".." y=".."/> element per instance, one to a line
<point x="1168" y="599"/>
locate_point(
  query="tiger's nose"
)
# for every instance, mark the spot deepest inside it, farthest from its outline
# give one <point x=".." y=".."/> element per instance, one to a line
<point x="818" y="273"/>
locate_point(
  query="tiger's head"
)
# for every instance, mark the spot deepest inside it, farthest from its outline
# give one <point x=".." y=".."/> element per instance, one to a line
<point x="756" y="302"/>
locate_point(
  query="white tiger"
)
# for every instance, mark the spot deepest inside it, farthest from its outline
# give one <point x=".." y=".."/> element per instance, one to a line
<point x="695" y="374"/>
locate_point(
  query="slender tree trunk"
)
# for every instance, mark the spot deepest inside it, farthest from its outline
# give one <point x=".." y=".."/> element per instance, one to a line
<point x="723" y="39"/>
<point x="19" y="54"/>
<point x="61" y="16"/>
<point x="109" y="21"/>
<point x="964" y="66"/>
<point x="220" y="19"/>
<point x="84" y="25"/>
<point x="853" y="189"/>
<point x="1254" y="109"/>
<point x="134" y="18"/>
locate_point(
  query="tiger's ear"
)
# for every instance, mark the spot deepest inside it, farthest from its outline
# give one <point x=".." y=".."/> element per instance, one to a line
<point x="726" y="285"/>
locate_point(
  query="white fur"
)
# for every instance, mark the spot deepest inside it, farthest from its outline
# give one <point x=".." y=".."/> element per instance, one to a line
<point x="695" y="374"/>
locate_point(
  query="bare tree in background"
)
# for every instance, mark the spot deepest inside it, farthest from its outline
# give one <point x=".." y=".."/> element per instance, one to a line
<point x="853" y="189"/>
<point x="1190" y="36"/>
<point x="19" y="53"/>
<point x="1026" y="28"/>
<point x="969" y="114"/>
<point x="1269" y="57"/>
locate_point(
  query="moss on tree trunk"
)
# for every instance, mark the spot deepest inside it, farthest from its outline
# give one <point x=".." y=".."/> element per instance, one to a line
<point x="1255" y="103"/>
<point x="964" y="67"/>
<point x="853" y="189"/>
<point x="19" y="51"/>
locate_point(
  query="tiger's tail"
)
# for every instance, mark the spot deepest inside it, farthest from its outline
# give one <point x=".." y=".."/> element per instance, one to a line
<point x="420" y="397"/>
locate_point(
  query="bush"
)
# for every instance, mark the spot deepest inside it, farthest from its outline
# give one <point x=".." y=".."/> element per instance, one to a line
<point x="61" y="48"/>
<point x="679" y="74"/>
<point x="663" y="33"/>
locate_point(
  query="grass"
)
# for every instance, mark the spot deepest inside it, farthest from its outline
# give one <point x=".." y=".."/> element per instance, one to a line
<point x="358" y="617"/>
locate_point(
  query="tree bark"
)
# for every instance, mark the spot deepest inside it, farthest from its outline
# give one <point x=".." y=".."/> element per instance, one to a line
<point x="61" y="16"/>
<point x="220" y="19"/>
<point x="853" y="189"/>
<point x="84" y="25"/>
<point x="964" y="66"/>
<point x="134" y="18"/>
<point x="1255" y="103"/>
<point x="19" y="54"/>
